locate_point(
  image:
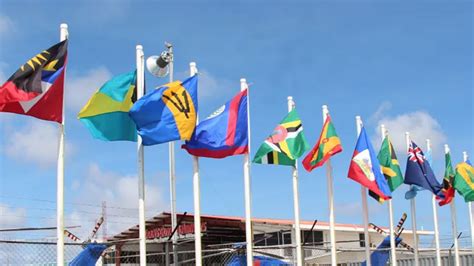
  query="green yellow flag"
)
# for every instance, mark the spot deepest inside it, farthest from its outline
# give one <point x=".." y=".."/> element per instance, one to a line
<point x="286" y="144"/>
<point x="389" y="163"/>
<point x="464" y="181"/>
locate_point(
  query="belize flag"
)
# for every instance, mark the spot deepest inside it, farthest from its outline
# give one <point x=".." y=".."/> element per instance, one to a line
<point x="419" y="171"/>
<point x="365" y="168"/>
<point x="224" y="133"/>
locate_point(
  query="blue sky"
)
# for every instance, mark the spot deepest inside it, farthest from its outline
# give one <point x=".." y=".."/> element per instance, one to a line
<point x="407" y="65"/>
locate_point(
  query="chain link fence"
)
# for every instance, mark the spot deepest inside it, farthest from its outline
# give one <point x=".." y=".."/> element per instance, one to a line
<point x="43" y="253"/>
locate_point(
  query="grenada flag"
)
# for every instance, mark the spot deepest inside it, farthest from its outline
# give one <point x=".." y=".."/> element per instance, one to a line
<point x="365" y="168"/>
<point x="328" y="145"/>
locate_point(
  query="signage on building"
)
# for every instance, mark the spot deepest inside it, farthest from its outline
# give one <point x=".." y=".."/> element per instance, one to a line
<point x="184" y="229"/>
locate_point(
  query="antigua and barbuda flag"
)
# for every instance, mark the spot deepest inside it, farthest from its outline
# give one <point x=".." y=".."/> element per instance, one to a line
<point x="365" y="169"/>
<point x="37" y="87"/>
<point x="106" y="112"/>
<point x="224" y="133"/>
<point x="167" y="113"/>
<point x="419" y="172"/>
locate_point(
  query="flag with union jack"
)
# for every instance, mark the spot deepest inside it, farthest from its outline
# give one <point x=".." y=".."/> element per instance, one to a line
<point x="419" y="172"/>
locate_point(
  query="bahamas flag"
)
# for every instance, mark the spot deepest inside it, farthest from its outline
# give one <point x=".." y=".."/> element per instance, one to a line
<point x="106" y="113"/>
<point x="167" y="113"/>
<point x="224" y="133"/>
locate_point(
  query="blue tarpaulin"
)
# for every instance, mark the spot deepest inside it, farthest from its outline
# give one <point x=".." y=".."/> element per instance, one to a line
<point x="380" y="256"/>
<point x="89" y="256"/>
<point x="238" y="260"/>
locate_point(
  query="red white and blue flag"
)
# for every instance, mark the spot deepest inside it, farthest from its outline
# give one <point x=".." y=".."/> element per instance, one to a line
<point x="224" y="133"/>
<point x="365" y="168"/>
<point x="419" y="171"/>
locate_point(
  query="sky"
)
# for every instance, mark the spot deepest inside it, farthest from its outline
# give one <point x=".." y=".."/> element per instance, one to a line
<point x="406" y="65"/>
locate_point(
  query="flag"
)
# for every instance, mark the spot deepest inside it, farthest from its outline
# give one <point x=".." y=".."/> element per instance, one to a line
<point x="224" y="133"/>
<point x="464" y="181"/>
<point x="389" y="163"/>
<point x="36" y="88"/>
<point x="167" y="113"/>
<point x="328" y="145"/>
<point x="449" y="173"/>
<point x="106" y="114"/>
<point x="286" y="144"/>
<point x="365" y="169"/>
<point x="419" y="172"/>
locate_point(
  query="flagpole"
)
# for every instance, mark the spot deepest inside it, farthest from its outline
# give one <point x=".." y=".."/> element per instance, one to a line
<point x="435" y="215"/>
<point x="413" y="211"/>
<point x="64" y="34"/>
<point x="469" y="205"/>
<point x="140" y="161"/>
<point x="296" y="204"/>
<point x="393" y="247"/>
<point x="172" y="171"/>
<point x="454" y="223"/>
<point x="330" y="185"/>
<point x="363" y="192"/>
<point x="248" y="200"/>
<point x="196" y="195"/>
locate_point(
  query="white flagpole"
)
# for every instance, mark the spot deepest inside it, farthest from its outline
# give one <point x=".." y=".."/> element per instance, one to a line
<point x="64" y="34"/>
<point x="363" y="192"/>
<point x="465" y="157"/>
<point x="296" y="204"/>
<point x="248" y="200"/>
<point x="332" y="230"/>
<point x="140" y="161"/>
<point x="454" y="223"/>
<point x="393" y="247"/>
<point x="413" y="212"/>
<point x="197" y="196"/>
<point x="172" y="173"/>
<point x="435" y="216"/>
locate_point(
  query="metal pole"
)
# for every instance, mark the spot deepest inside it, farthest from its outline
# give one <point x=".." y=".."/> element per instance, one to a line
<point x="393" y="247"/>
<point x="247" y="192"/>
<point x="197" y="197"/>
<point x="413" y="212"/>
<point x="172" y="170"/>
<point x="454" y="222"/>
<point x="469" y="205"/>
<point x="435" y="216"/>
<point x="332" y="231"/>
<point x="363" y="193"/>
<point x="140" y="161"/>
<point x="64" y="34"/>
<point x="296" y="204"/>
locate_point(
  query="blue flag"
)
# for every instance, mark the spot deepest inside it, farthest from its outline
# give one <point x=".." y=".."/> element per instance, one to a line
<point x="167" y="113"/>
<point x="224" y="133"/>
<point x="381" y="254"/>
<point x="419" y="171"/>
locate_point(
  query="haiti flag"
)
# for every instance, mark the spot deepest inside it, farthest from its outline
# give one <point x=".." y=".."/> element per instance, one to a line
<point x="224" y="133"/>
<point x="365" y="168"/>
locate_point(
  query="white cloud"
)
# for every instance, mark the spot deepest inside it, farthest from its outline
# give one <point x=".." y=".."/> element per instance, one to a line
<point x="421" y="126"/>
<point x="121" y="194"/>
<point x="79" y="88"/>
<point x="11" y="217"/>
<point x="6" y="25"/>
<point x="37" y="141"/>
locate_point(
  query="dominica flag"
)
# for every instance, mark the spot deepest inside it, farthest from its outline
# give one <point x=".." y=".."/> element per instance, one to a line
<point x="448" y="179"/>
<point x="106" y="114"/>
<point x="365" y="169"/>
<point x="36" y="88"/>
<point x="389" y="163"/>
<point x="328" y="145"/>
<point x="167" y="113"/>
<point x="286" y="144"/>
<point x="464" y="181"/>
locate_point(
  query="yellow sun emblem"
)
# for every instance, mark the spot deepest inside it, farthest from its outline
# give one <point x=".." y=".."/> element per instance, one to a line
<point x="39" y="59"/>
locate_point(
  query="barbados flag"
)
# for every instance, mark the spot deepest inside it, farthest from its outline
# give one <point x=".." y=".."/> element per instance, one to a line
<point x="106" y="113"/>
<point x="365" y="168"/>
<point x="224" y="133"/>
<point x="167" y="113"/>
